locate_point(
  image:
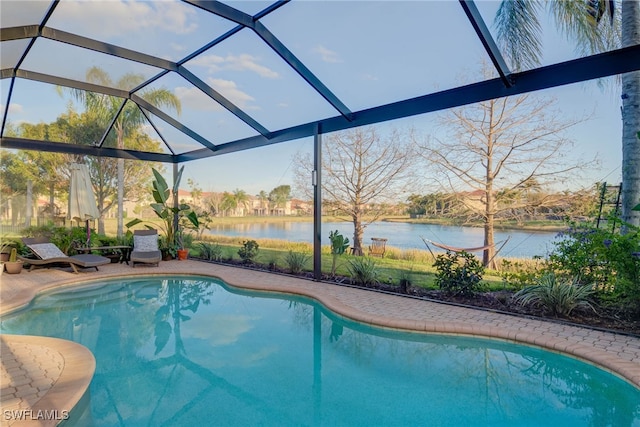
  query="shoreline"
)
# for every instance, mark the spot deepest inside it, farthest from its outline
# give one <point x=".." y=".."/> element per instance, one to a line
<point x="523" y="227"/>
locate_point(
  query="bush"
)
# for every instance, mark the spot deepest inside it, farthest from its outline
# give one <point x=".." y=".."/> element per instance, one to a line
<point x="518" y="274"/>
<point x="248" y="251"/>
<point x="404" y="281"/>
<point x="210" y="251"/>
<point x="610" y="261"/>
<point x="296" y="261"/>
<point x="363" y="271"/>
<point x="557" y="296"/>
<point x="458" y="273"/>
<point x="67" y="239"/>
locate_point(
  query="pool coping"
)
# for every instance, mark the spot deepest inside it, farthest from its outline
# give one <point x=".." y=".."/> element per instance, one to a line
<point x="47" y="394"/>
<point x="618" y="354"/>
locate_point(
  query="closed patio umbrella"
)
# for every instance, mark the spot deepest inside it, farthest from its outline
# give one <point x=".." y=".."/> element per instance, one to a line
<point x="82" y="200"/>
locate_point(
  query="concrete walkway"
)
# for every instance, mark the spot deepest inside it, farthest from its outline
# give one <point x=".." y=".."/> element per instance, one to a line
<point x="617" y="353"/>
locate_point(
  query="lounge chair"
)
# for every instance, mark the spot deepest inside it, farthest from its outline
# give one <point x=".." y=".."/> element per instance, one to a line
<point x="49" y="255"/>
<point x="145" y="248"/>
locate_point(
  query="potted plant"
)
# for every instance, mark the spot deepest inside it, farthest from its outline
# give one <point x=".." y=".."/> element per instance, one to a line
<point x="182" y="252"/>
<point x="14" y="265"/>
<point x="165" y="210"/>
<point x="5" y="250"/>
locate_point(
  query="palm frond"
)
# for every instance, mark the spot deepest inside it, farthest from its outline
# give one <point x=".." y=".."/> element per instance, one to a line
<point x="519" y="32"/>
<point x="582" y="22"/>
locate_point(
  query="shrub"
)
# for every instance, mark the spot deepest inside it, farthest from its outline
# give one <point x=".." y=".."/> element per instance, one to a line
<point x="458" y="273"/>
<point x="296" y="261"/>
<point x="67" y="239"/>
<point x="404" y="281"/>
<point x="557" y="296"/>
<point x="272" y="262"/>
<point x="606" y="259"/>
<point x="210" y="251"/>
<point x="518" y="274"/>
<point x="248" y="251"/>
<point x="363" y="271"/>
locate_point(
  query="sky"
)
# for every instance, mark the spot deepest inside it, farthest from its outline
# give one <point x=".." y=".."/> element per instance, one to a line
<point x="366" y="53"/>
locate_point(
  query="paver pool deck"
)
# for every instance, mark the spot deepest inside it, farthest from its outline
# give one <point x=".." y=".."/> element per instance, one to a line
<point x="45" y="374"/>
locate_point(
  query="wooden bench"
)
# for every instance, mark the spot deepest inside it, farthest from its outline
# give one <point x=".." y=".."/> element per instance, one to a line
<point x="378" y="247"/>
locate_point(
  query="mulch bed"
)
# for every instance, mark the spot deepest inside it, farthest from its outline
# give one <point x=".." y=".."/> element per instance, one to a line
<point x="604" y="318"/>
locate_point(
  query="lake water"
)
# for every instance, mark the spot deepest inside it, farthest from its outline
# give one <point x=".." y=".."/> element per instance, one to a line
<point x="402" y="235"/>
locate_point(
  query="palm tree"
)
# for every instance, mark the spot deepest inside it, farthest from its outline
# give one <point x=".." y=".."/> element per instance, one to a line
<point x="242" y="199"/>
<point x="130" y="118"/>
<point x="227" y="203"/>
<point x="264" y="199"/>
<point x="519" y="34"/>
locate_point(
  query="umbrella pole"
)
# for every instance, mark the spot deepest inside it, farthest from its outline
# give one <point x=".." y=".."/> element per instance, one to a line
<point x="88" y="235"/>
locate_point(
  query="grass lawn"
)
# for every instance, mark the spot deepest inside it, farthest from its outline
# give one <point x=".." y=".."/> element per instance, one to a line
<point x="419" y="264"/>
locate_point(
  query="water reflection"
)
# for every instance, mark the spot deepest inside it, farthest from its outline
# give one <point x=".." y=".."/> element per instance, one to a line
<point x="173" y="351"/>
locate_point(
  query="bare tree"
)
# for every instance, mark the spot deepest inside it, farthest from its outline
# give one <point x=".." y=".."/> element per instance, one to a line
<point x="362" y="170"/>
<point x="496" y="148"/>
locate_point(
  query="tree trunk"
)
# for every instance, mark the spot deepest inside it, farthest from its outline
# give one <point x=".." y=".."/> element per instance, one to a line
<point x="358" y="233"/>
<point x="489" y="254"/>
<point x="630" y="118"/>
<point x="101" y="218"/>
<point x="120" y="197"/>
<point x="489" y="206"/>
<point x="29" y="204"/>
<point x="52" y="201"/>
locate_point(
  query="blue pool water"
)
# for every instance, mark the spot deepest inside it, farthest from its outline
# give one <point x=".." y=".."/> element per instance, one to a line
<point x="176" y="351"/>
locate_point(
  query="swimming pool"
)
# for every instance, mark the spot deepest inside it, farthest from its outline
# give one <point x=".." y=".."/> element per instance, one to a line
<point x="181" y="351"/>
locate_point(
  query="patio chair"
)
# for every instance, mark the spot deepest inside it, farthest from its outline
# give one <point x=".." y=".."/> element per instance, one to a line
<point x="145" y="248"/>
<point x="49" y="255"/>
<point x="378" y="247"/>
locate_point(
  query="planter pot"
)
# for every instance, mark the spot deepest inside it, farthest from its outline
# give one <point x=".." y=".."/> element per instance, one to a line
<point x="13" y="267"/>
<point x="166" y="256"/>
<point x="182" y="254"/>
<point x="4" y="257"/>
<point x="115" y="258"/>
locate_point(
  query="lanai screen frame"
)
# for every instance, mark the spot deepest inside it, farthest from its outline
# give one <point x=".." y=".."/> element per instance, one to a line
<point x="508" y="83"/>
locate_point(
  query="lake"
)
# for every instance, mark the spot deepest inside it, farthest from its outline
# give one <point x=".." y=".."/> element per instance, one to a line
<point x="402" y="235"/>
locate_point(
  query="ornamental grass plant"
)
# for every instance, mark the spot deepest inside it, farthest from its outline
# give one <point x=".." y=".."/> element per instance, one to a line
<point x="558" y="296"/>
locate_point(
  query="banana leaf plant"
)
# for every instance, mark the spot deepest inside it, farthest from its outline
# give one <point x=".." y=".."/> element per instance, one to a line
<point x="164" y="209"/>
<point x="339" y="244"/>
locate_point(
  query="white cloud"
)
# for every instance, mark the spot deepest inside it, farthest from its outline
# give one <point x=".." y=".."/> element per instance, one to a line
<point x="242" y="62"/>
<point x="327" y="55"/>
<point x="196" y="99"/>
<point x="246" y="62"/>
<point x="369" y="77"/>
<point x="213" y="63"/>
<point x="13" y="108"/>
<point x="177" y="47"/>
<point x="231" y="91"/>
<point x="124" y="16"/>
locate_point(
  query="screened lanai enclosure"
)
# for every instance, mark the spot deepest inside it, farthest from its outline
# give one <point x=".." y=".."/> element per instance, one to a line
<point x="210" y="78"/>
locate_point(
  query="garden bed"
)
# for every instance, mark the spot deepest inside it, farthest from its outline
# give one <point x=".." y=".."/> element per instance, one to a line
<point x="501" y="301"/>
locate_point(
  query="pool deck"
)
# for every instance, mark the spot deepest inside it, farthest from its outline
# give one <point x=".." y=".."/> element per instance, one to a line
<point x="35" y="373"/>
